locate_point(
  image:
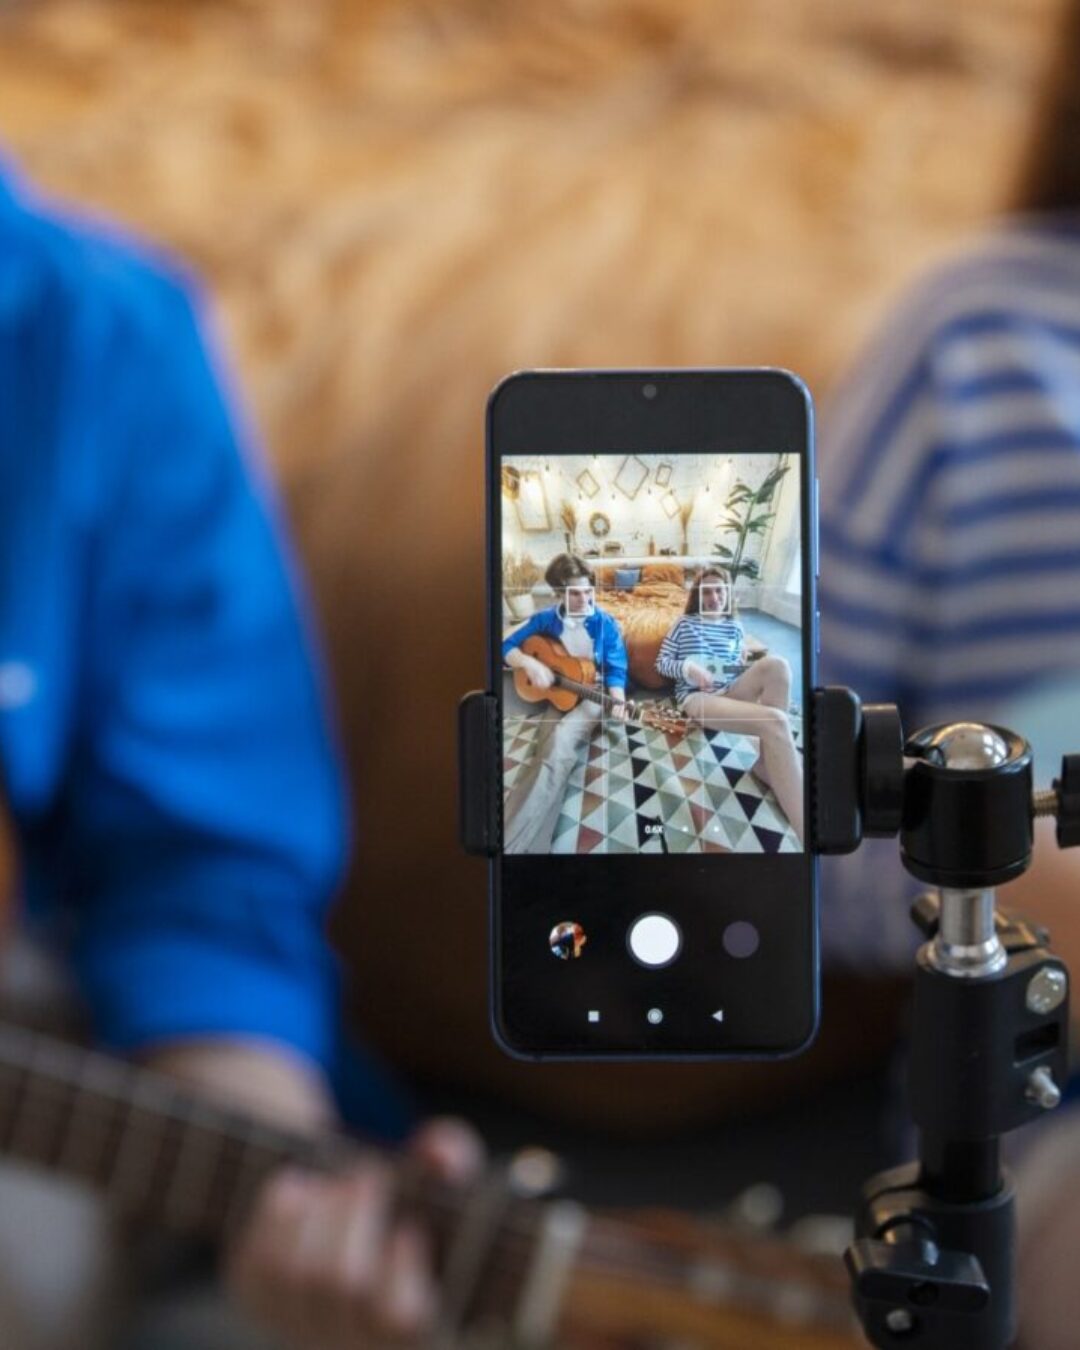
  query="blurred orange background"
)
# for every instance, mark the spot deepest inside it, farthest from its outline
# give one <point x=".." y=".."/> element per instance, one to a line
<point x="396" y="202"/>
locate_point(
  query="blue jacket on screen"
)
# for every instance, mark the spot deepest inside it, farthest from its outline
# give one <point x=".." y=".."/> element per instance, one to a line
<point x="609" y="649"/>
<point x="164" y="738"/>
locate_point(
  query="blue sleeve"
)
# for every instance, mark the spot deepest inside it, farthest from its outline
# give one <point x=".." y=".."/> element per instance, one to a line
<point x="206" y="798"/>
<point x="616" y="663"/>
<point x="536" y="624"/>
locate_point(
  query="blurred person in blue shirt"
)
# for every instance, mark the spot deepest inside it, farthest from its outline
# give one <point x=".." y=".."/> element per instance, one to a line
<point x="170" y="772"/>
<point x="586" y="632"/>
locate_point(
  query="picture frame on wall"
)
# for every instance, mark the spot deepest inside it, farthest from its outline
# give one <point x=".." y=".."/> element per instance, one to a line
<point x="531" y="503"/>
<point x="670" y="503"/>
<point x="662" y="476"/>
<point x="631" y="477"/>
<point x="587" y="483"/>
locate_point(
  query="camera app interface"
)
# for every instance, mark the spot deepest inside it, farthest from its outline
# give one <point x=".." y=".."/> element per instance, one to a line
<point x="652" y="654"/>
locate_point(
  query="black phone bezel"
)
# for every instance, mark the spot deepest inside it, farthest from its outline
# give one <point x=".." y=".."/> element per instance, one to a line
<point x="713" y="410"/>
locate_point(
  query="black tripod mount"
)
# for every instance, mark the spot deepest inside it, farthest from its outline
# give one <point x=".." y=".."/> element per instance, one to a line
<point x="933" y="1263"/>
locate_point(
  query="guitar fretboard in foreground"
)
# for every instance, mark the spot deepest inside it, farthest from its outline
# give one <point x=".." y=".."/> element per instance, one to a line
<point x="159" y="1151"/>
<point x="162" y="1152"/>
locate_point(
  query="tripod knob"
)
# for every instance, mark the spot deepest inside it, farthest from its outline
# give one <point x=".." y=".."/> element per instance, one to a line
<point x="911" y="1289"/>
<point x="1063" y="801"/>
<point x="882" y="770"/>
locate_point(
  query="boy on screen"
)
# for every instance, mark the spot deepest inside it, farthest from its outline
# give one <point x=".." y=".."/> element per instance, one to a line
<point x="583" y="630"/>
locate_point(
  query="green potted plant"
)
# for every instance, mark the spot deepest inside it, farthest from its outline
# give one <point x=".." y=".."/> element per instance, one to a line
<point x="748" y="514"/>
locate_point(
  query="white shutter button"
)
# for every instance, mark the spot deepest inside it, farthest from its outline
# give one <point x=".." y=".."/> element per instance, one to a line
<point x="654" y="940"/>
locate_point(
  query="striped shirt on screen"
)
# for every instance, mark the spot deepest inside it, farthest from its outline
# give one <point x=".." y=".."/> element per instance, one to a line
<point x="712" y="643"/>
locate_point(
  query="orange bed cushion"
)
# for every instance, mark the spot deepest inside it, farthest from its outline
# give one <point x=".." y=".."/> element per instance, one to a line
<point x="672" y="572"/>
<point x="645" y="615"/>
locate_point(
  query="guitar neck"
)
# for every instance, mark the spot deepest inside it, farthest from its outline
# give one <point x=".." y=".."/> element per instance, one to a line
<point x="164" y="1153"/>
<point x="589" y="691"/>
<point x="158" y="1151"/>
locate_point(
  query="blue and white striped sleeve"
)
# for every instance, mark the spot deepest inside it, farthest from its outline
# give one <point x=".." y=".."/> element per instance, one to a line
<point x="668" y="661"/>
<point x="950" y="529"/>
<point x="878" y="444"/>
<point x="951" y="492"/>
<point x="880" y="420"/>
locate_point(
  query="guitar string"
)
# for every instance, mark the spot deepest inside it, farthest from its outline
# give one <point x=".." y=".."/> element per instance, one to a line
<point x="639" y="712"/>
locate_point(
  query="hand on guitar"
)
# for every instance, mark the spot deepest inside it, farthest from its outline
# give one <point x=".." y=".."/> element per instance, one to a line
<point x="543" y="677"/>
<point x="697" y="674"/>
<point x="323" y="1263"/>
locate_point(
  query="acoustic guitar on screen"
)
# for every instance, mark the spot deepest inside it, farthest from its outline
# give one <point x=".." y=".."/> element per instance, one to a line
<point x="575" y="679"/>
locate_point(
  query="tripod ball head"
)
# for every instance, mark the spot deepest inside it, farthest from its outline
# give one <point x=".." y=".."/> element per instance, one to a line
<point x="967" y="818"/>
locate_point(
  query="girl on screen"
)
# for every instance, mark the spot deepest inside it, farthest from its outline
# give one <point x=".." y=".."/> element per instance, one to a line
<point x="703" y="653"/>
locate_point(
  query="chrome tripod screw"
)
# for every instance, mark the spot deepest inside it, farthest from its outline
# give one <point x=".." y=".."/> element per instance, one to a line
<point x="1046" y="990"/>
<point x="899" y="1321"/>
<point x="1041" y="1089"/>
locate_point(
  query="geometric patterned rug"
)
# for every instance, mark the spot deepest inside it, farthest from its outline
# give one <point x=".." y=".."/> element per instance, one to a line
<point x="640" y="790"/>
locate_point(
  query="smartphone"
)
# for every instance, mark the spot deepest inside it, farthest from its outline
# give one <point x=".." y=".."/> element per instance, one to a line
<point x="652" y="639"/>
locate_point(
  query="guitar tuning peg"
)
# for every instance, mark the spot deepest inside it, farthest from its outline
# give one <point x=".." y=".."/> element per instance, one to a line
<point x="758" y="1207"/>
<point x="535" y="1171"/>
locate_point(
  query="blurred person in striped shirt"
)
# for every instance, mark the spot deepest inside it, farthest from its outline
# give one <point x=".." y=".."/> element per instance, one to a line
<point x="950" y="580"/>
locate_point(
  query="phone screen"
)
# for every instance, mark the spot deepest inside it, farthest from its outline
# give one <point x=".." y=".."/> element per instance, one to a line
<point x="651" y="645"/>
<point x="653" y="638"/>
